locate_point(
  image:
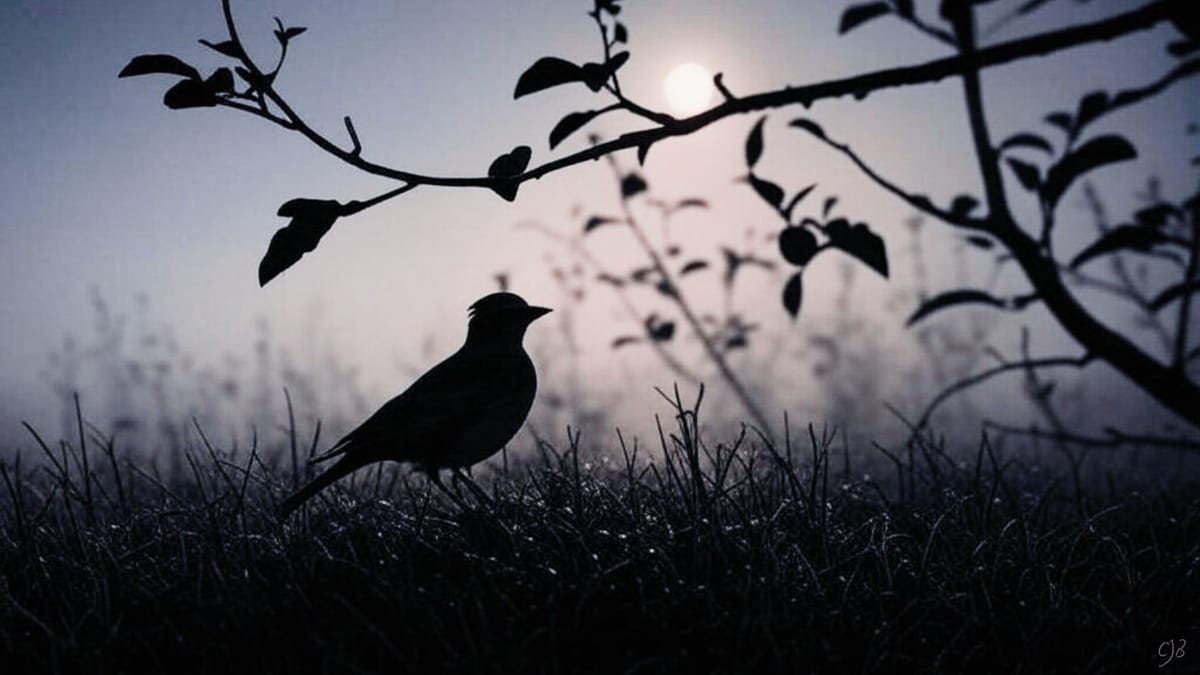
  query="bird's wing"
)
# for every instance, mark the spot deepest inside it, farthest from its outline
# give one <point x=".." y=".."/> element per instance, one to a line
<point x="449" y="395"/>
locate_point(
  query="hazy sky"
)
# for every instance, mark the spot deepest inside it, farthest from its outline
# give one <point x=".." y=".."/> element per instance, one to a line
<point x="103" y="186"/>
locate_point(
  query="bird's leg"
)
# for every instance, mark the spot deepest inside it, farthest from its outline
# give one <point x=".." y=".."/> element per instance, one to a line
<point x="480" y="495"/>
<point x="436" y="478"/>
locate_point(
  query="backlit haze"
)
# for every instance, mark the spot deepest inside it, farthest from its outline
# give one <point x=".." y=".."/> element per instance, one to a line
<point x="104" y="187"/>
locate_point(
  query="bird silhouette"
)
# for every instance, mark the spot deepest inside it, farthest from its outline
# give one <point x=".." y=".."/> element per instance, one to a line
<point x="459" y="413"/>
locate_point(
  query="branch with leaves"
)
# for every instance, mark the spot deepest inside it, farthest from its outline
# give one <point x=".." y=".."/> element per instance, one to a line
<point x="804" y="237"/>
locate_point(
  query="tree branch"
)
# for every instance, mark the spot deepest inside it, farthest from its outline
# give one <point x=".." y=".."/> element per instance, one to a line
<point x="1113" y="439"/>
<point x="919" y="203"/>
<point x="972" y="380"/>
<point x="860" y="85"/>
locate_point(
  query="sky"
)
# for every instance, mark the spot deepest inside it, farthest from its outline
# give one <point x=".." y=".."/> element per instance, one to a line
<point x="104" y="188"/>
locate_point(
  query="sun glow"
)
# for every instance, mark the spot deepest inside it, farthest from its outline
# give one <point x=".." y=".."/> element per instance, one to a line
<point x="688" y="88"/>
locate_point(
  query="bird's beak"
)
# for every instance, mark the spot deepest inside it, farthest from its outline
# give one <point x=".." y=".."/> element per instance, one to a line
<point x="535" y="312"/>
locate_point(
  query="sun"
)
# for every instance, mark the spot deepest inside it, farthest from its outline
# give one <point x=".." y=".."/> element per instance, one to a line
<point x="688" y="88"/>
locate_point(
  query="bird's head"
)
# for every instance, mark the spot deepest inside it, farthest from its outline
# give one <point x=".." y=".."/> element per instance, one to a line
<point x="501" y="315"/>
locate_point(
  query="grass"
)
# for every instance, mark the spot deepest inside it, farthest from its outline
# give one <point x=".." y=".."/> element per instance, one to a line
<point x="736" y="556"/>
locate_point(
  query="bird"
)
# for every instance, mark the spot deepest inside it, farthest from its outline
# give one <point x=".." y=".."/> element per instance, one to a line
<point x="459" y="413"/>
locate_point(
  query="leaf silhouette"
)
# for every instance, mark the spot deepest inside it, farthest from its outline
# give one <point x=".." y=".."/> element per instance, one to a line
<point x="809" y="126"/>
<point x="1028" y="174"/>
<point x="597" y="221"/>
<point x="770" y="192"/>
<point x="228" y="48"/>
<point x="690" y="202"/>
<point x="1026" y="140"/>
<point x="859" y="241"/>
<point x="797" y="245"/>
<point x="1135" y="237"/>
<point x="1095" y="153"/>
<point x="147" y="64"/>
<point x="754" y="142"/>
<point x="1061" y="119"/>
<point x="1090" y="107"/>
<point x="1173" y="293"/>
<point x="830" y="202"/>
<point x="1156" y="215"/>
<point x="799" y="197"/>
<point x="569" y="125"/>
<point x="962" y="206"/>
<point x="952" y="298"/>
<point x="980" y="241"/>
<point x="659" y="330"/>
<point x="693" y="266"/>
<point x="546" y="72"/>
<point x="220" y="82"/>
<point x="311" y="219"/>
<point x="856" y="15"/>
<point x="189" y="94"/>
<point x="511" y="163"/>
<point x="631" y="185"/>
<point x="625" y="340"/>
<point x="594" y="75"/>
<point x="793" y="295"/>
<point x="642" y="149"/>
<point x="620" y="33"/>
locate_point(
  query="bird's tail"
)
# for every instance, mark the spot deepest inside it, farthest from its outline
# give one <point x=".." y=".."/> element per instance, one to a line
<point x="319" y="483"/>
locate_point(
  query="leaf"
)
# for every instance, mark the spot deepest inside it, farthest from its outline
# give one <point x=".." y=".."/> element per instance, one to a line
<point x="220" y="82"/>
<point x="631" y="185"/>
<point x="642" y="149"/>
<point x="597" y="221"/>
<point x="512" y="163"/>
<point x="1156" y="215"/>
<point x="809" y="126"/>
<point x="625" y="340"/>
<point x="799" y="197"/>
<point x="228" y="48"/>
<point x="620" y="34"/>
<point x="1173" y="293"/>
<point x="733" y="262"/>
<point x="256" y="83"/>
<point x="1026" y="140"/>
<point x="857" y="15"/>
<point x="962" y="206"/>
<point x="288" y="33"/>
<point x="829" y="204"/>
<point x="546" y="72"/>
<point x="980" y="241"/>
<point x="860" y="242"/>
<point x="793" y="295"/>
<point x="615" y="282"/>
<point x="311" y="219"/>
<point x="1090" y="107"/>
<point x="569" y="125"/>
<point x="797" y="245"/>
<point x="596" y="74"/>
<point x="950" y="299"/>
<point x="1027" y="173"/>
<point x="1135" y="237"/>
<point x="658" y="330"/>
<point x="693" y="266"/>
<point x="1060" y="119"/>
<point x="147" y="64"/>
<point x="770" y="192"/>
<point x="1095" y="153"/>
<point x="189" y="94"/>
<point x="690" y="202"/>
<point x="754" y="143"/>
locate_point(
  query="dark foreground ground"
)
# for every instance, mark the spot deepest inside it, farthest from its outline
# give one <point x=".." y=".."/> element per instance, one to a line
<point x="736" y="557"/>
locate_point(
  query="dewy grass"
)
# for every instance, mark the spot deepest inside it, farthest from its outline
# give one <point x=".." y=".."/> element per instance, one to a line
<point x="737" y="556"/>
